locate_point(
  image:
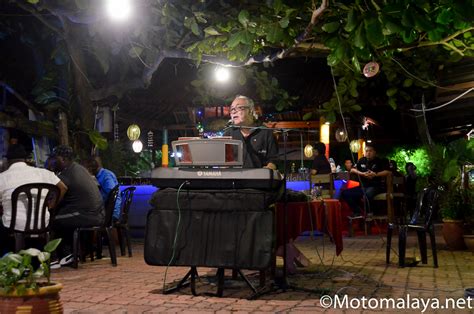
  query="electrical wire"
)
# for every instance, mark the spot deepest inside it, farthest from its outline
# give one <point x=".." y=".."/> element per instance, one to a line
<point x="445" y="104"/>
<point x="176" y="233"/>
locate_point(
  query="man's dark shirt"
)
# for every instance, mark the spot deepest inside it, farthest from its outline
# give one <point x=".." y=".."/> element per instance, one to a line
<point x="260" y="147"/>
<point x="83" y="195"/>
<point x="321" y="165"/>
<point x="376" y="165"/>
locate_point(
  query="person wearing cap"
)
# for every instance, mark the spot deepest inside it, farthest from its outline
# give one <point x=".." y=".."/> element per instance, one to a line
<point x="82" y="205"/>
<point x="19" y="173"/>
<point x="260" y="146"/>
<point x="107" y="181"/>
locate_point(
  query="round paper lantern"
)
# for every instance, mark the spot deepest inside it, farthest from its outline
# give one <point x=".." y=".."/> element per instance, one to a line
<point x="341" y="135"/>
<point x="355" y="146"/>
<point x="133" y="132"/>
<point x="137" y="146"/>
<point x="371" y="69"/>
<point x="308" y="150"/>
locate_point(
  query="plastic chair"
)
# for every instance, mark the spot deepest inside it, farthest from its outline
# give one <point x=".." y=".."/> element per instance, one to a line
<point x="104" y="229"/>
<point x="38" y="197"/>
<point x="422" y="223"/>
<point x="123" y="230"/>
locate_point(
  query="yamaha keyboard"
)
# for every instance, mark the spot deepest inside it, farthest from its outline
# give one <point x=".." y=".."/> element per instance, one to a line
<point x="218" y="178"/>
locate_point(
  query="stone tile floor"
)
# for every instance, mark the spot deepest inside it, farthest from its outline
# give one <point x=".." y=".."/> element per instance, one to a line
<point x="359" y="273"/>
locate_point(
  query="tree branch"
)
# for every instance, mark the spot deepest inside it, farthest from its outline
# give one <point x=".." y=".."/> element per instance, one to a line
<point x="440" y="42"/>
<point x="20" y="97"/>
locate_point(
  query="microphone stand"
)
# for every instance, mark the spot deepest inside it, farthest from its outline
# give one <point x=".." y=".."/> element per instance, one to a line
<point x="283" y="283"/>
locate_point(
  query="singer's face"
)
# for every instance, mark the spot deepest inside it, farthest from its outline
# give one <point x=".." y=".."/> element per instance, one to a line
<point x="240" y="112"/>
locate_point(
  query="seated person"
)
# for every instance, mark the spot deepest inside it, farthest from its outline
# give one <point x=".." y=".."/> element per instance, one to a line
<point x="348" y="165"/>
<point x="371" y="171"/>
<point x="19" y="173"/>
<point x="82" y="205"/>
<point x="320" y="162"/>
<point x="107" y="181"/>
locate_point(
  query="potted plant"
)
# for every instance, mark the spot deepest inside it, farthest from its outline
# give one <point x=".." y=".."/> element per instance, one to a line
<point x="453" y="210"/>
<point x="446" y="163"/>
<point x="468" y="200"/>
<point x="25" y="281"/>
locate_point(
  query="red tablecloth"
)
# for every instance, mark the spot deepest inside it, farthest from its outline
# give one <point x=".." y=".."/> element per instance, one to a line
<point x="328" y="221"/>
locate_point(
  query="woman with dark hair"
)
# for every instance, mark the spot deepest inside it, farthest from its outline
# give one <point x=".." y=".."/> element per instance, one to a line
<point x="320" y="163"/>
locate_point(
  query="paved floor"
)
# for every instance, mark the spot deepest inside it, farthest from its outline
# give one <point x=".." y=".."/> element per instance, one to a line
<point x="358" y="274"/>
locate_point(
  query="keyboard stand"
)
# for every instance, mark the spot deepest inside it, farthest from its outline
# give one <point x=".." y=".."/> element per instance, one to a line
<point x="184" y="282"/>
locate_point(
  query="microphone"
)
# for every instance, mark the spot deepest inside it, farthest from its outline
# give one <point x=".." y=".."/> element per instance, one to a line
<point x="229" y="123"/>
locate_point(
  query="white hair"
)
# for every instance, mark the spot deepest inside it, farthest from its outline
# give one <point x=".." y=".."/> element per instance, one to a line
<point x="250" y="103"/>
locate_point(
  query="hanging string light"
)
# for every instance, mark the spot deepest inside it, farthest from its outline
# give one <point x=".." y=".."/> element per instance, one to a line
<point x="137" y="146"/>
<point x="341" y="135"/>
<point x="354" y="146"/>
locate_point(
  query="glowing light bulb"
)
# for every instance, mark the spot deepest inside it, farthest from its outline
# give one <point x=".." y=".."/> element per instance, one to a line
<point x="118" y="9"/>
<point x="222" y="74"/>
<point x="137" y="146"/>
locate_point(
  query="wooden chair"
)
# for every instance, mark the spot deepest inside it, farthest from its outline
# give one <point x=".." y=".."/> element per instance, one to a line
<point x="326" y="181"/>
<point x="393" y="195"/>
<point x="105" y="229"/>
<point x="123" y="230"/>
<point x="38" y="199"/>
<point x="422" y="223"/>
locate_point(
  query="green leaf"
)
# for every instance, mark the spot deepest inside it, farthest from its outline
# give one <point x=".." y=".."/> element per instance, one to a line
<point x="247" y="38"/>
<point x="33" y="1"/>
<point x="359" y="38"/>
<point x="284" y="22"/>
<point x="307" y="116"/>
<point x="407" y="82"/>
<point x="52" y="245"/>
<point x="391" y="91"/>
<point x="356" y="108"/>
<point x="422" y="23"/>
<point x="197" y="83"/>
<point x="351" y="21"/>
<point x="274" y="34"/>
<point x="31" y="252"/>
<point x="330" y="117"/>
<point x="44" y="256"/>
<point x="392" y="103"/>
<point x="353" y="89"/>
<point x="280" y="105"/>
<point x="135" y="51"/>
<point x="435" y="34"/>
<point x="244" y="18"/>
<point x="331" y="27"/>
<point x="355" y="62"/>
<point x="390" y="26"/>
<point x="211" y="31"/>
<point x="445" y="16"/>
<point x="234" y="40"/>
<point x="332" y="42"/>
<point x="16" y="258"/>
<point x="332" y="60"/>
<point x="409" y="35"/>
<point x="373" y="29"/>
<point x="46" y="97"/>
<point x="97" y="139"/>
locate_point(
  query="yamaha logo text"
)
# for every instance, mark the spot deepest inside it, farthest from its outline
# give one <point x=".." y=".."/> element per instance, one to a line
<point x="209" y="174"/>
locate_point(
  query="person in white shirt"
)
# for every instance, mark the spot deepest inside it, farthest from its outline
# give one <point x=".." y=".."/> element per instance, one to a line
<point x="19" y="173"/>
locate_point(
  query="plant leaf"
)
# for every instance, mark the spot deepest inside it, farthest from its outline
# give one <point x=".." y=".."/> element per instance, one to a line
<point x="351" y="21"/>
<point x="52" y="245"/>
<point x="331" y="27"/>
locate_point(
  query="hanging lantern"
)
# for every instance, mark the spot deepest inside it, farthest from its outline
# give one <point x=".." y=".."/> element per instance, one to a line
<point x="308" y="150"/>
<point x="133" y="132"/>
<point x="137" y="146"/>
<point x="355" y="146"/>
<point x="341" y="135"/>
<point x="371" y="69"/>
<point x="150" y="139"/>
